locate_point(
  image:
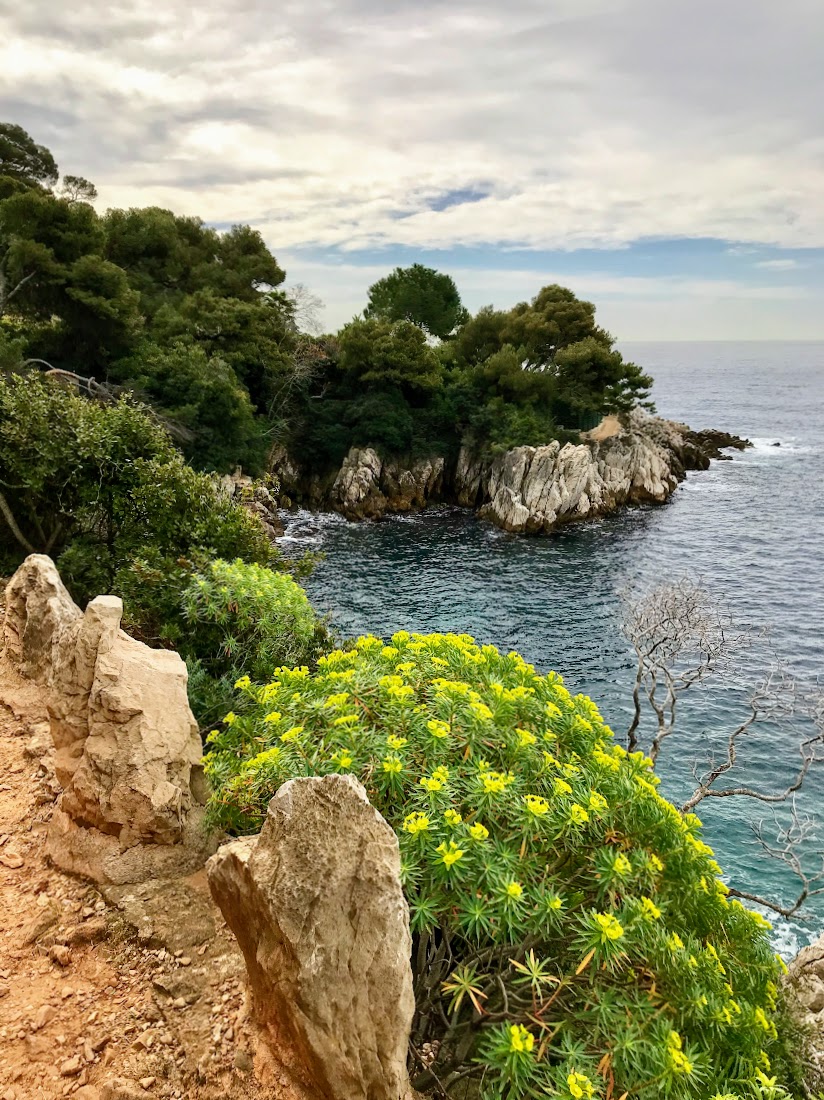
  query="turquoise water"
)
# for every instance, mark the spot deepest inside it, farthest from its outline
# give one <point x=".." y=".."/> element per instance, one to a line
<point x="752" y="529"/>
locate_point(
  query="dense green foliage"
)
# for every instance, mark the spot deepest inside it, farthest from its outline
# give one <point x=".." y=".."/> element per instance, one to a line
<point x="572" y="937"/>
<point x="419" y="294"/>
<point x="193" y="322"/>
<point x="242" y="617"/>
<point x="101" y="488"/>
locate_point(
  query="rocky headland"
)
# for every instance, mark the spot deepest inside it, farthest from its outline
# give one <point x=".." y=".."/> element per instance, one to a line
<point x="637" y="459"/>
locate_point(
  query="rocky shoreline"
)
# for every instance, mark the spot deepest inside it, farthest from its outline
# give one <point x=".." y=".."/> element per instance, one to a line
<point x="639" y="459"/>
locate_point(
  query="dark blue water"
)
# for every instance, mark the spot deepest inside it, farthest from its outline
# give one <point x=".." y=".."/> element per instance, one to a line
<point x="752" y="529"/>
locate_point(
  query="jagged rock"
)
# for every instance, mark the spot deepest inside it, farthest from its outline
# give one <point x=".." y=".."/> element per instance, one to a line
<point x="317" y="906"/>
<point x="255" y="497"/>
<point x="804" y="985"/>
<point x="38" y="612"/>
<point x="634" y="459"/>
<point x="127" y="747"/>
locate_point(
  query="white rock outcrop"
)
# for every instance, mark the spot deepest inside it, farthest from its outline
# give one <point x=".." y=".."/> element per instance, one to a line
<point x="634" y="459"/>
<point x="317" y="906"/>
<point x="531" y="489"/>
<point x="127" y="748"/>
<point x="367" y="487"/>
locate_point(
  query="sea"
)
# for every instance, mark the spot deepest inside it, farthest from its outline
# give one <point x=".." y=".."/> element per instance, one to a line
<point x="751" y="530"/>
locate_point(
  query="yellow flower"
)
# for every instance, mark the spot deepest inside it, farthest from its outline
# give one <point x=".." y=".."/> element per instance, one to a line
<point x="610" y="928"/>
<point x="450" y="853"/>
<point x="392" y="765"/>
<point x="389" y="651"/>
<point x="342" y="759"/>
<point x="432" y="784"/>
<point x="346" y="720"/>
<point x="597" y="802"/>
<point x="580" y="1086"/>
<point x="396" y="742"/>
<point x="415" y="823"/>
<point x="400" y="691"/>
<point x="650" y="909"/>
<point x="578" y="815"/>
<point x="405" y="666"/>
<point x="621" y="866"/>
<point x="678" y="1061"/>
<point x="452" y="817"/>
<point x="526" y="738"/>
<point x="514" y="890"/>
<point x="552" y="710"/>
<point x="231" y="718"/>
<point x="536" y="805"/>
<point x="562" y="787"/>
<point x="481" y="710"/>
<point x="675" y="942"/>
<point x="438" y="728"/>
<point x="495" y="782"/>
<point x="656" y="864"/>
<point x="478" y="831"/>
<point x="243" y="683"/>
<point x="292" y="734"/>
<point x="521" y="1041"/>
<point x="336" y="700"/>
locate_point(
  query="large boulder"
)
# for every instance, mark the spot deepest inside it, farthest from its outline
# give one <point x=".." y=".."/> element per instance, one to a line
<point x="317" y="906"/>
<point x="127" y="751"/>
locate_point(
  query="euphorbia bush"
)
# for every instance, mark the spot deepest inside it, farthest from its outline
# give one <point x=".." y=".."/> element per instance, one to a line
<point x="572" y="937"/>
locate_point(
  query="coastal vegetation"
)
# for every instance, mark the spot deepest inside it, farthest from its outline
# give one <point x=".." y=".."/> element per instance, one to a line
<point x="197" y="324"/>
<point x="572" y="934"/>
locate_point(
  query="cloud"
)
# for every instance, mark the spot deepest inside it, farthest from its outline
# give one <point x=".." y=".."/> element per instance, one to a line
<point x="778" y="265"/>
<point x="339" y="124"/>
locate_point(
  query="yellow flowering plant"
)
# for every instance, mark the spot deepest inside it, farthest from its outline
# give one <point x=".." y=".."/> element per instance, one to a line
<point x="546" y="876"/>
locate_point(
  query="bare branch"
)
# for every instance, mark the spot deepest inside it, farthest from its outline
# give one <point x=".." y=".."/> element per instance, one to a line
<point x="787" y="849"/>
<point x="15" y="530"/>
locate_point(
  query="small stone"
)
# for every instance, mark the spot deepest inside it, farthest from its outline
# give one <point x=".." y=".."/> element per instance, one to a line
<point x="146" y="1082"/>
<point x="100" y="1042"/>
<point x="71" y="1067"/>
<point x="44" y="1014"/>
<point x="10" y="858"/>
<point x="92" y="931"/>
<point x="60" y="954"/>
<point x="184" y="960"/>
<point x="4" y="990"/>
<point x="243" y="1061"/>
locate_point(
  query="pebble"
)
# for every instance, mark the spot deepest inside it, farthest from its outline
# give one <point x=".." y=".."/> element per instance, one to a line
<point x="184" y="960"/>
<point x="44" y="1015"/>
<point x="61" y="954"/>
<point x="71" y="1067"/>
<point x="146" y="1082"/>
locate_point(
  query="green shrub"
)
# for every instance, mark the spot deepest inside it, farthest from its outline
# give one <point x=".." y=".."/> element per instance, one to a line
<point x="102" y="489"/>
<point x="571" y="936"/>
<point x="243" y="617"/>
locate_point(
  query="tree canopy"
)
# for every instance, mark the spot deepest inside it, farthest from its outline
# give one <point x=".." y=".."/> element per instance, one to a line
<point x="196" y="322"/>
<point x="23" y="160"/>
<point x="419" y="294"/>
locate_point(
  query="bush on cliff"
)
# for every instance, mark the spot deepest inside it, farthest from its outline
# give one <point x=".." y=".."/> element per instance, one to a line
<point x="102" y="489"/>
<point x="571" y="936"/>
<point x="242" y="616"/>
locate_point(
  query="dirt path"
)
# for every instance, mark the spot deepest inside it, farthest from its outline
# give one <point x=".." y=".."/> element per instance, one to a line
<point x="131" y="993"/>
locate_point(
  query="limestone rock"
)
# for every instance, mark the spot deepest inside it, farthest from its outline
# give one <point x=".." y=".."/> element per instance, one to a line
<point x="804" y="985"/>
<point x="317" y="906"/>
<point x="38" y="612"/>
<point x="126" y="746"/>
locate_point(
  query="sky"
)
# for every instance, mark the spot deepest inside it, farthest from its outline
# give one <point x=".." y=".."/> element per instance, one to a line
<point x="663" y="158"/>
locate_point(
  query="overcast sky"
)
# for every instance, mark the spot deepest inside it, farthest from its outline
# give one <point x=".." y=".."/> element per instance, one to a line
<point x="665" y="158"/>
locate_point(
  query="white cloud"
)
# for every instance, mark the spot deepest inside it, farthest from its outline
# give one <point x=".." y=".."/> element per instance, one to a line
<point x="778" y="265"/>
<point x="336" y="123"/>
